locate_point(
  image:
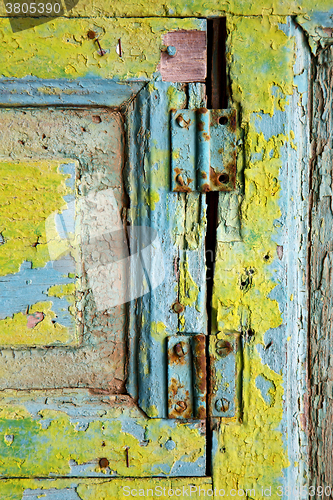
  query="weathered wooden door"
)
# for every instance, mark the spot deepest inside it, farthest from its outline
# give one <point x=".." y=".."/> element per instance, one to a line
<point x="118" y="262"/>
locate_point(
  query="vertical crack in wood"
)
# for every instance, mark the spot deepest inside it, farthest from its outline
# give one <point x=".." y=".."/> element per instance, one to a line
<point x="216" y="99"/>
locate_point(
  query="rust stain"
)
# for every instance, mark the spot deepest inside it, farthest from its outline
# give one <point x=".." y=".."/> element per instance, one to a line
<point x="199" y="346"/>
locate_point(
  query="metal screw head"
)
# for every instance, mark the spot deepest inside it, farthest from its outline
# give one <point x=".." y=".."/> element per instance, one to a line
<point x="178" y="349"/>
<point x="182" y="122"/>
<point x="223" y="348"/>
<point x="222" y="405"/>
<point x="171" y="50"/>
<point x="180" y="406"/>
<point x="177" y="307"/>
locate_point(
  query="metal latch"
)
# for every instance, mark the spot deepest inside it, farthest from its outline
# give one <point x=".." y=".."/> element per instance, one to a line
<point x="203" y="150"/>
<point x="187" y="388"/>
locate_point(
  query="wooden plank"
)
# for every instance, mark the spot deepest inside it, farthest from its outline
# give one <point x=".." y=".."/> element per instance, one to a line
<point x="259" y="286"/>
<point x="320" y="273"/>
<point x="189" y="64"/>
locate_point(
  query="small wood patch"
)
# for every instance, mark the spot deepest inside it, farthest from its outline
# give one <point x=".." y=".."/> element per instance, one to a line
<point x="190" y="62"/>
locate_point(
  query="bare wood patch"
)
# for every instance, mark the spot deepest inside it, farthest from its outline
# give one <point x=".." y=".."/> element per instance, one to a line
<point x="189" y="64"/>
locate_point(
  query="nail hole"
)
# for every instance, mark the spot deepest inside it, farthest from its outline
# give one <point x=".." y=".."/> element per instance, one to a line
<point x="223" y="120"/>
<point x="224" y="178"/>
<point x="266" y="257"/>
<point x="250" y="332"/>
<point x="103" y="463"/>
<point x="96" y="119"/>
<point x="103" y="443"/>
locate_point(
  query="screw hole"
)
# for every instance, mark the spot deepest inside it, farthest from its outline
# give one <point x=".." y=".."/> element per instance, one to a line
<point x="266" y="257"/>
<point x="223" y="120"/>
<point x="224" y="178"/>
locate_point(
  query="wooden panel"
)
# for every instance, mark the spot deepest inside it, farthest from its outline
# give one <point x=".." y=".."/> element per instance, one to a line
<point x="41" y="151"/>
<point x="320" y="268"/>
<point x="190" y="62"/>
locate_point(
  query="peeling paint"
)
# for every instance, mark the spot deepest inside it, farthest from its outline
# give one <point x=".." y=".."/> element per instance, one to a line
<point x="63" y="50"/>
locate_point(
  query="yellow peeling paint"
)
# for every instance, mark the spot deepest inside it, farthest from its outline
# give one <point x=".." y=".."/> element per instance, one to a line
<point x="158" y="331"/>
<point x="152" y="198"/>
<point x="188" y="289"/>
<point x="62" y="290"/>
<point x="195" y="8"/>
<point x="14" y="330"/>
<point x="103" y="488"/>
<point x="61" y="49"/>
<point x="252" y="450"/>
<point x="57" y="436"/>
<point x="269" y="51"/>
<point x="30" y="192"/>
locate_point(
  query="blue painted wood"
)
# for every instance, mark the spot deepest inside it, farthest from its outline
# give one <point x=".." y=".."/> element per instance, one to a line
<point x="80" y="92"/>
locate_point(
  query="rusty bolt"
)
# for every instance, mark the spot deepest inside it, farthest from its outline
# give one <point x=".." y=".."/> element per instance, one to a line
<point x="178" y="349"/>
<point x="171" y="50"/>
<point x="103" y="463"/>
<point x="223" y="348"/>
<point x="222" y="405"/>
<point x="181" y="122"/>
<point x="177" y="307"/>
<point x="180" y="406"/>
<point x="91" y="34"/>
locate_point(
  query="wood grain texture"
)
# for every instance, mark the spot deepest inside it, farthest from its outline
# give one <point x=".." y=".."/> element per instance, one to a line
<point x="320" y="261"/>
<point x="190" y="62"/>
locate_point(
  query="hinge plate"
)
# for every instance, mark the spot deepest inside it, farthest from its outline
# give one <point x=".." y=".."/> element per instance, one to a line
<point x="222" y="398"/>
<point x="187" y="389"/>
<point x="203" y="150"/>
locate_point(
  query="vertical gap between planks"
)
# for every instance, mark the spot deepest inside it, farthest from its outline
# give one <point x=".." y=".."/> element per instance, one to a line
<point x="217" y="98"/>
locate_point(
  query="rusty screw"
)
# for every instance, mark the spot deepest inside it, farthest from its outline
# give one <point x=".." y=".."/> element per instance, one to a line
<point x="222" y="405"/>
<point x="178" y="349"/>
<point x="182" y="122"/>
<point x="180" y="406"/>
<point x="177" y="307"/>
<point x="93" y="36"/>
<point x="103" y="463"/>
<point x="223" y="348"/>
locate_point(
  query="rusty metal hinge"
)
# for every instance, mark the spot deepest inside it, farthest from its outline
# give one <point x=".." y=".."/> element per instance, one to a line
<point x="187" y="375"/>
<point x="203" y="150"/>
<point x="222" y="398"/>
<point x="187" y="388"/>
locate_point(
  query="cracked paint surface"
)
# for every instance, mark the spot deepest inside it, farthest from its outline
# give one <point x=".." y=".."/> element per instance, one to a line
<point x="254" y="452"/>
<point x="63" y="50"/>
<point x="31" y="192"/>
<point x="250" y="451"/>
